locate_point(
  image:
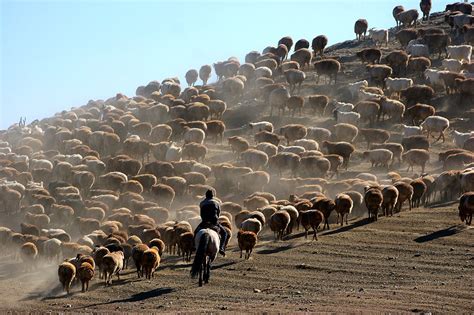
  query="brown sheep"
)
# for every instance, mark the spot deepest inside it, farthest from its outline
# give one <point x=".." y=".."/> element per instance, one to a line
<point x="66" y="274"/>
<point x="418" y="113"/>
<point x="302" y="57"/>
<point x="342" y="148"/>
<point x="311" y="219"/>
<point x="137" y="254"/>
<point x="163" y="194"/>
<point x="326" y="206"/>
<point x="85" y="273"/>
<point x="368" y="111"/>
<point x="449" y="79"/>
<point x="317" y="103"/>
<point x="29" y="255"/>
<point x="390" y="197"/>
<point x="360" y="27"/>
<point x="294" y="77"/>
<point x="191" y="77"/>
<point x="378" y="73"/>
<point x="98" y="254"/>
<point x="186" y="245"/>
<point x="238" y="144"/>
<point x="215" y="129"/>
<point x="416" y="157"/>
<point x="415" y="142"/>
<point x="396" y="10"/>
<point x="194" y="151"/>
<point x="279" y="222"/>
<point x="437" y="43"/>
<point x="417" y="94"/>
<point x="418" y="65"/>
<point x="374" y="135"/>
<point x="405" y="192"/>
<point x="318" y="44"/>
<point x="150" y="261"/>
<point x="466" y="207"/>
<point x="425" y="7"/>
<point x="419" y="189"/>
<point x="293" y="132"/>
<point x="398" y="61"/>
<point x="343" y="207"/>
<point x="287" y="41"/>
<point x="373" y="199"/>
<point x="301" y="43"/>
<point x="328" y="67"/>
<point x="370" y="55"/>
<point x="405" y="36"/>
<point x="247" y="241"/>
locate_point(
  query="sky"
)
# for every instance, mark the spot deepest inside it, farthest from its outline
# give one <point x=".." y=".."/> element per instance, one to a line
<point x="60" y="54"/>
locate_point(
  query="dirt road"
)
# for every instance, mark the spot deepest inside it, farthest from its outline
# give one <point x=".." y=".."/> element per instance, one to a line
<point x="418" y="261"/>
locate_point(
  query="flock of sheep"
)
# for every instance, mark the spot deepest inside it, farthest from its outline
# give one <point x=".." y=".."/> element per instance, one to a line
<point x="119" y="180"/>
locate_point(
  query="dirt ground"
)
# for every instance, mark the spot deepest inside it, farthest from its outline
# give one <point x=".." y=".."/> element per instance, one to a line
<point x="418" y="261"/>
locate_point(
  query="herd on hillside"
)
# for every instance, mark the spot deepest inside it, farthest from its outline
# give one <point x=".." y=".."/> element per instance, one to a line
<point x="118" y="181"/>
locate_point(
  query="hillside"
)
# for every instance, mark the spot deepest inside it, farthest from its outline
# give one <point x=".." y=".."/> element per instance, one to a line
<point x="418" y="260"/>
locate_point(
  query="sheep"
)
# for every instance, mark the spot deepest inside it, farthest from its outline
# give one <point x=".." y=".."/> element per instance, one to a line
<point x="368" y="111"/>
<point x="205" y="73"/>
<point x="460" y="137"/>
<point x="294" y="77"/>
<point x="302" y="57"/>
<point x="418" y="50"/>
<point x="396" y="85"/>
<point x="251" y="224"/>
<point x="419" y="189"/>
<point x="254" y="180"/>
<point x="279" y="222"/>
<point x="301" y="43"/>
<point x="466" y="207"/>
<point x="355" y="87"/>
<point x="318" y="44"/>
<point x="390" y="197"/>
<point x="379" y="36"/>
<point x="425" y="7"/>
<point x="449" y="80"/>
<point x="418" y="65"/>
<point x="326" y="206"/>
<point x="328" y="67"/>
<point x="398" y="61"/>
<point x="458" y="160"/>
<point x="434" y="76"/>
<point x="278" y="99"/>
<point x="396" y="10"/>
<point x="85" y="273"/>
<point x="435" y="124"/>
<point x="405" y="36"/>
<point x="452" y="65"/>
<point x="416" y="157"/>
<point x="254" y="158"/>
<point x="311" y="219"/>
<point x="263" y="72"/>
<point x="419" y="113"/>
<point x="317" y="103"/>
<point x="247" y="241"/>
<point x="293" y="132"/>
<point x="380" y="157"/>
<point x="343" y="207"/>
<point x="460" y="52"/>
<point x="52" y="249"/>
<point x="261" y="126"/>
<point x="29" y="255"/>
<point x="373" y="199"/>
<point x="287" y="41"/>
<point x="417" y="94"/>
<point x="408" y="17"/>
<point x="112" y="264"/>
<point x="437" y="43"/>
<point x="378" y="73"/>
<point x="360" y="27"/>
<point x="341" y="148"/>
<point x="295" y="103"/>
<point x="370" y="55"/>
<point x="374" y="135"/>
<point x="405" y="192"/>
<point x="395" y="148"/>
<point x="345" y="132"/>
<point x="66" y="274"/>
<point x="346" y="117"/>
<point x="150" y="260"/>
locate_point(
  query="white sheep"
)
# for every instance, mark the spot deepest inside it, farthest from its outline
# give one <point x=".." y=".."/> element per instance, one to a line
<point x="363" y="96"/>
<point x="435" y="124"/>
<point x="347" y="117"/>
<point x="460" y="52"/>
<point x="195" y="135"/>
<point x="452" y="65"/>
<point x="318" y="133"/>
<point x="263" y="72"/>
<point x="396" y="85"/>
<point x="393" y="108"/>
<point x="355" y="87"/>
<point x="252" y="224"/>
<point x="292" y="149"/>
<point x="418" y="50"/>
<point x="434" y="77"/>
<point x="411" y="130"/>
<point x="379" y="36"/>
<point x="261" y="126"/>
<point x="343" y="107"/>
<point x="37" y="164"/>
<point x="173" y="153"/>
<point x="460" y="137"/>
<point x="308" y="144"/>
<point x="380" y="157"/>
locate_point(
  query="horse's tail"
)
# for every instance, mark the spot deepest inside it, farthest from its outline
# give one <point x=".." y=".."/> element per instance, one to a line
<point x="200" y="254"/>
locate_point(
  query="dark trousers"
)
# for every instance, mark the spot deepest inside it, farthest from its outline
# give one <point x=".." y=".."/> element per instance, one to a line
<point x="216" y="227"/>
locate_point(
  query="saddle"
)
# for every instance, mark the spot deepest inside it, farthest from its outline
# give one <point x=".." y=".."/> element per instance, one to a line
<point x="207" y="225"/>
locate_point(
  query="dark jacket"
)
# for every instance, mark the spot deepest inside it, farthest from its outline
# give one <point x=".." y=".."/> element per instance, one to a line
<point x="210" y="210"/>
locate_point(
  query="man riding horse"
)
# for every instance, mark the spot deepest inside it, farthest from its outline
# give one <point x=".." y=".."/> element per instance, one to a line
<point x="210" y="212"/>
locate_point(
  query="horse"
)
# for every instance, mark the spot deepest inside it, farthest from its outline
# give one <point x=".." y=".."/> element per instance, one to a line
<point x="207" y="242"/>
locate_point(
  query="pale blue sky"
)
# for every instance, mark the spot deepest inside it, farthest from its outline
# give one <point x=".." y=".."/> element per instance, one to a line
<point x="60" y="54"/>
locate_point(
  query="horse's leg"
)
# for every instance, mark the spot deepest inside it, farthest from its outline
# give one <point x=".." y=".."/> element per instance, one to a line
<point x="207" y="269"/>
<point x="200" y="274"/>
